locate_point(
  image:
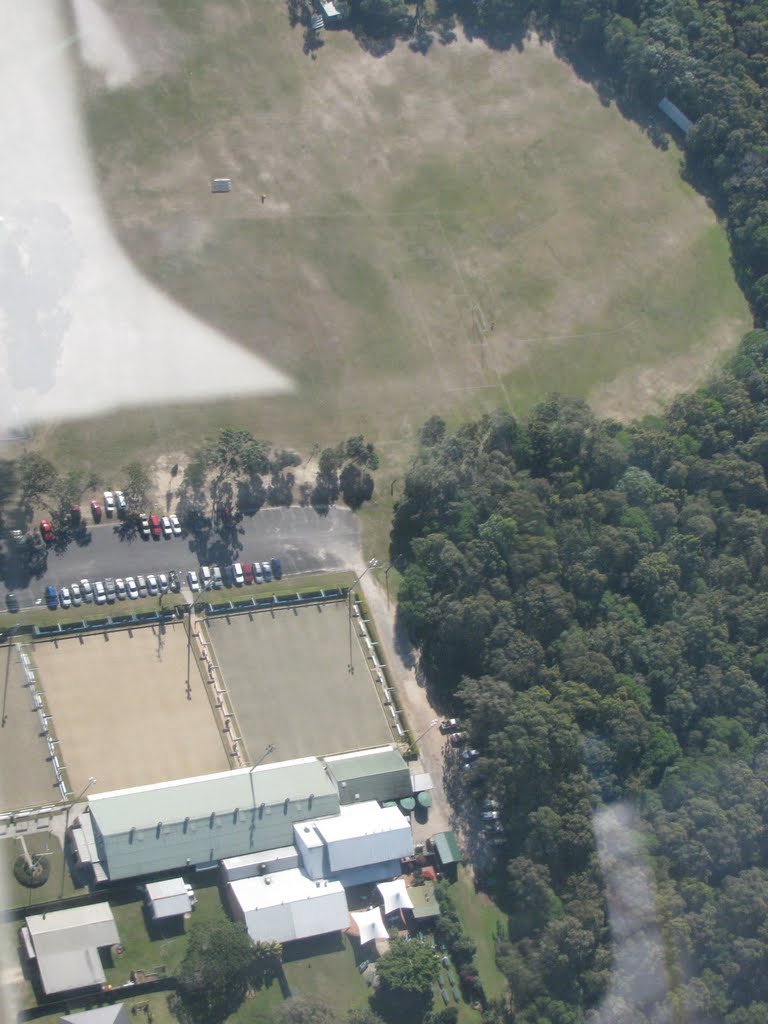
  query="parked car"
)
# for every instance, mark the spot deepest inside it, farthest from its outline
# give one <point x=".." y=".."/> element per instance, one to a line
<point x="277" y="569"/>
<point x="175" y="525"/>
<point x="152" y="588"/>
<point x="458" y="739"/>
<point x="217" y="579"/>
<point x="87" y="591"/>
<point x="154" y="526"/>
<point x="162" y="583"/>
<point x="96" y="511"/>
<point x="99" y="593"/>
<point x="46" y="531"/>
<point x="120" y="590"/>
<point x="65" y="598"/>
<point x="206" y="577"/>
<point x="144" y="525"/>
<point x="132" y="589"/>
<point x="109" y="503"/>
<point x="77" y="595"/>
<point x="75" y="515"/>
<point x="51" y="597"/>
<point x="18" y="538"/>
<point x="141" y="585"/>
<point x="258" y="573"/>
<point x="267" y="571"/>
<point x="247" y="572"/>
<point x="468" y="756"/>
<point x="111" y="590"/>
<point x="165" y="525"/>
<point x="227" y="575"/>
<point x="490" y="815"/>
<point x="489" y="804"/>
<point x="237" y="574"/>
<point x="449" y="725"/>
<point x="194" y="582"/>
<point x="11" y="602"/>
<point x="173" y="581"/>
<point x="121" y="503"/>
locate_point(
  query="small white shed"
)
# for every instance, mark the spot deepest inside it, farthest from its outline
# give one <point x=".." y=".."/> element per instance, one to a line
<point x="170" y="898"/>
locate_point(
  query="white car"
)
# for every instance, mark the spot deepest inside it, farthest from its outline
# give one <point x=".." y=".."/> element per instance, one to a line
<point x="162" y="583"/>
<point x="175" y="525"/>
<point x="65" y="598"/>
<point x="120" y="590"/>
<point x="77" y="597"/>
<point x="152" y="588"/>
<point x="86" y="590"/>
<point x="237" y="572"/>
<point x="194" y="582"/>
<point x="165" y="523"/>
<point x="109" y="502"/>
<point x="130" y="586"/>
<point x="205" y="576"/>
<point x="99" y="592"/>
<point x="218" y="582"/>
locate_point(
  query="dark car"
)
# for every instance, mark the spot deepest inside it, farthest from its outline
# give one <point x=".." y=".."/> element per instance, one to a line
<point x="173" y="581"/>
<point x="51" y="597"/>
<point x="11" y="602"/>
<point x="96" y="511"/>
<point x="277" y="569"/>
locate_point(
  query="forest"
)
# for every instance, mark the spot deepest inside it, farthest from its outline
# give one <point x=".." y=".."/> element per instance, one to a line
<point x="710" y="57"/>
<point x="592" y="597"/>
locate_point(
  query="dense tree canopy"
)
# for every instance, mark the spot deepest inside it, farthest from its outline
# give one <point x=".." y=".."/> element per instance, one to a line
<point x="594" y="599"/>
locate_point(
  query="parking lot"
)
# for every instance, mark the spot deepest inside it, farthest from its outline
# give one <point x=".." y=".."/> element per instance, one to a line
<point x="288" y="679"/>
<point x="26" y="775"/>
<point x="121" y="708"/>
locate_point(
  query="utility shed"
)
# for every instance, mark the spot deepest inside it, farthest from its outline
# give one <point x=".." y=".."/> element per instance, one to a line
<point x="66" y="943"/>
<point x="288" y="906"/>
<point x="198" y="821"/>
<point x="116" y="1014"/>
<point x="447" y="848"/>
<point x="675" y="115"/>
<point x="424" y="902"/>
<point x="169" y="898"/>
<point x="376" y="774"/>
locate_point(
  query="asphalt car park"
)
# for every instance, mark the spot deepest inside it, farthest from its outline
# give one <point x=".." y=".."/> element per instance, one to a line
<point x="304" y="541"/>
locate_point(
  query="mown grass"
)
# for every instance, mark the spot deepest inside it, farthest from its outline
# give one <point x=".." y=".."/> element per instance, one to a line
<point x="325" y="968"/>
<point x="481" y="918"/>
<point x="59" y="882"/>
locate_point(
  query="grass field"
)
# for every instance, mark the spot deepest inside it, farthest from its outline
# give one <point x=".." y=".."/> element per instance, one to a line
<point x="121" y="710"/>
<point x="325" y="968"/>
<point x="287" y="675"/>
<point x="481" y="917"/>
<point x="445" y="233"/>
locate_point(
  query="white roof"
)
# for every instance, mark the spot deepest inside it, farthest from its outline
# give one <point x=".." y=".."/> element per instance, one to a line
<point x="370" y="925"/>
<point x="169" y="898"/>
<point x="329" y="8"/>
<point x="365" y="834"/>
<point x="356" y="820"/>
<point x="115" y="1014"/>
<point x="421" y="781"/>
<point x="82" y="833"/>
<point x="289" y="905"/>
<point x="67" y="945"/>
<point x="395" y="896"/>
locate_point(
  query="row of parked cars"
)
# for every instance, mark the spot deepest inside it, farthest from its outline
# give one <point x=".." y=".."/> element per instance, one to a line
<point x="153" y="584"/>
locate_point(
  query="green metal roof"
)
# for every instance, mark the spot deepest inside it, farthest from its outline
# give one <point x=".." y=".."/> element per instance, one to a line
<point x="378" y="774"/>
<point x="146" y="806"/>
<point x="447" y="848"/>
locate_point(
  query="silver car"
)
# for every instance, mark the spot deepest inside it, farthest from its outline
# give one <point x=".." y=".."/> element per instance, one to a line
<point x="130" y="586"/>
<point x="152" y="586"/>
<point x="99" y="592"/>
<point x="87" y="591"/>
<point x="120" y="591"/>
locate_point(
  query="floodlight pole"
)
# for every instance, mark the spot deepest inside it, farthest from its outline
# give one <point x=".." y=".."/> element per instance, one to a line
<point x="418" y="739"/>
<point x="74" y="802"/>
<point x="371" y="565"/>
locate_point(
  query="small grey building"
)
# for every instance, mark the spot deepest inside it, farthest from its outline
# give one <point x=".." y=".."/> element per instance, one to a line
<point x="379" y="773"/>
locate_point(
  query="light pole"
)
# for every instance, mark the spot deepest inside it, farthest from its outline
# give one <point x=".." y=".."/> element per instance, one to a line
<point x="418" y="739"/>
<point x="371" y="565"/>
<point x="74" y="802"/>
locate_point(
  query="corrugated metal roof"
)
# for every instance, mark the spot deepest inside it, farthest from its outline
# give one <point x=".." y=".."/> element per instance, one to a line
<point x="675" y="114"/>
<point x="85" y="927"/>
<point x="447" y="848"/>
<point x="377" y="774"/>
<point x="169" y="898"/>
<point x="116" y="1014"/>
<point x="361" y="820"/>
<point x="196" y="798"/>
<point x="424" y="901"/>
<point x="76" y="968"/>
<point x="289" y="906"/>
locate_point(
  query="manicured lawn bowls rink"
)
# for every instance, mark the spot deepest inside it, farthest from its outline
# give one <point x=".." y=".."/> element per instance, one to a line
<point x="287" y="674"/>
<point x="122" y="711"/>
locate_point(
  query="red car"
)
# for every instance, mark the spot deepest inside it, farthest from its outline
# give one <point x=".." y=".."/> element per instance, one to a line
<point x="154" y="525"/>
<point x="248" y="572"/>
<point x="96" y="511"/>
<point x="46" y="531"/>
